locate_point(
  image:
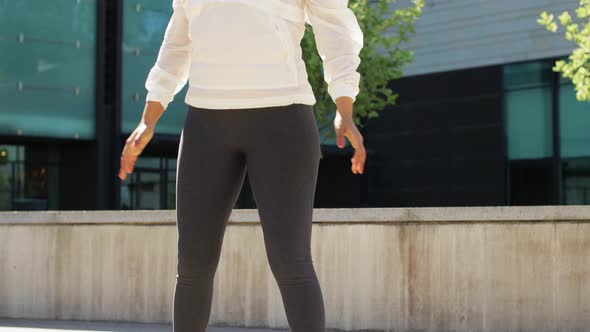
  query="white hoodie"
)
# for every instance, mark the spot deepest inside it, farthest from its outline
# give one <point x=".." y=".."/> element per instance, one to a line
<point x="247" y="53"/>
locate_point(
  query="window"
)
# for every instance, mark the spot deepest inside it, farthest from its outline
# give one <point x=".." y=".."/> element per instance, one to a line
<point x="576" y="181"/>
<point x="528" y="121"/>
<point x="47" y="68"/>
<point x="574" y="129"/>
<point x="574" y="124"/>
<point x="152" y="185"/>
<point x="28" y="178"/>
<point x="534" y="96"/>
<point x="528" y="115"/>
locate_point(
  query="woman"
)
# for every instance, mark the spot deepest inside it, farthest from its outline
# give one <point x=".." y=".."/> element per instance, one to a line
<point x="250" y="107"/>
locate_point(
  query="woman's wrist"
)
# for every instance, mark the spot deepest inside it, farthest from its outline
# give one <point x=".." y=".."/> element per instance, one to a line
<point x="151" y="114"/>
<point x="344" y="106"/>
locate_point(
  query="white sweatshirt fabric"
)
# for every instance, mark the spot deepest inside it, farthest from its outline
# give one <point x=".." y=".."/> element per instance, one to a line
<point x="247" y="53"/>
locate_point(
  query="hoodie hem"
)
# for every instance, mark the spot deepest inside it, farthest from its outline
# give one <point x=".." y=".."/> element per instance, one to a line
<point x="254" y="102"/>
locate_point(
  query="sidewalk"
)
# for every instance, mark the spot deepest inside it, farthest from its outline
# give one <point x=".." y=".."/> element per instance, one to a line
<point x="30" y="325"/>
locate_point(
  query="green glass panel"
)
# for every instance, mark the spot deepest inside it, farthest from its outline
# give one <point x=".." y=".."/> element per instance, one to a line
<point x="574" y="124"/>
<point x="47" y="68"/>
<point x="148" y="162"/>
<point x="149" y="191"/>
<point x="528" y="123"/>
<point x="172" y="163"/>
<point x="530" y="74"/>
<point x="143" y="30"/>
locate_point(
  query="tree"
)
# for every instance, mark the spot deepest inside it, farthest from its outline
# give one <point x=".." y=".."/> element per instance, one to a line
<point x="382" y="58"/>
<point x="577" y="67"/>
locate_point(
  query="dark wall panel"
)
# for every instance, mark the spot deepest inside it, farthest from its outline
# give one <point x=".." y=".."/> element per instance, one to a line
<point x="442" y="145"/>
<point x="337" y="186"/>
<point x="78" y="176"/>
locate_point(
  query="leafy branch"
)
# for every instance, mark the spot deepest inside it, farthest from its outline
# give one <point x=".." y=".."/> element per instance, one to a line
<point x="577" y="67"/>
<point x="385" y="30"/>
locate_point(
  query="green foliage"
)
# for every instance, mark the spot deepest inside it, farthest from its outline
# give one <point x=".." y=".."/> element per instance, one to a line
<point x="382" y="58"/>
<point x="577" y="67"/>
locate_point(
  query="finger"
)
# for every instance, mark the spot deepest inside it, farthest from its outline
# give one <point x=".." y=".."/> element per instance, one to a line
<point x="340" y="141"/>
<point x="355" y="164"/>
<point x="132" y="164"/>
<point x="353" y="159"/>
<point x="124" y="166"/>
<point x="124" y="158"/>
<point x="360" y="165"/>
<point x="129" y="163"/>
<point x="358" y="160"/>
<point x="340" y="134"/>
<point x="130" y="155"/>
<point x="122" y="174"/>
<point x="362" y="159"/>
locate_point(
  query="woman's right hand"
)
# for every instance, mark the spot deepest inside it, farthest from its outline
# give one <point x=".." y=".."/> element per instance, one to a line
<point x="134" y="145"/>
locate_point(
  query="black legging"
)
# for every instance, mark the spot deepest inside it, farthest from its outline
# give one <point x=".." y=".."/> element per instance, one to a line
<point x="280" y="148"/>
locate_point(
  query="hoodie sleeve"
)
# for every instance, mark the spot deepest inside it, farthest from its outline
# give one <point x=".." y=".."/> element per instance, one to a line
<point x="170" y="72"/>
<point x="339" y="40"/>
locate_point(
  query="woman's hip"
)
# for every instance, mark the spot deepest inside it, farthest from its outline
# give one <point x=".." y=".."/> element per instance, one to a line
<point x="271" y="127"/>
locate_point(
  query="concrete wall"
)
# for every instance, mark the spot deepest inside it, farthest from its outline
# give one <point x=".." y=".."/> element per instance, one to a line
<point x="396" y="269"/>
<point x="455" y="34"/>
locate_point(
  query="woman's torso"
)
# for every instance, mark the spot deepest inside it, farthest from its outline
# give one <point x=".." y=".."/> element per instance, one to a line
<point x="246" y="44"/>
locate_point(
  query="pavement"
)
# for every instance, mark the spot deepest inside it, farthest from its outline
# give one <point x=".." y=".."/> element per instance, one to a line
<point x="35" y="325"/>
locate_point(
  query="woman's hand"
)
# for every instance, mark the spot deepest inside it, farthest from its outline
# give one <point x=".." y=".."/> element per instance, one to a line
<point x="134" y="145"/>
<point x="345" y="127"/>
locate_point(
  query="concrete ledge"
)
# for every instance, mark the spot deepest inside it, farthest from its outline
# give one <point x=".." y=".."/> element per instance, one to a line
<point x="461" y="269"/>
<point x="542" y="213"/>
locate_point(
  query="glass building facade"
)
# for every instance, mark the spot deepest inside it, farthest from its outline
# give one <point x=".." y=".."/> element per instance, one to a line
<point x="47" y="88"/>
<point x="47" y="68"/>
<point x="548" y="136"/>
<point x="72" y="76"/>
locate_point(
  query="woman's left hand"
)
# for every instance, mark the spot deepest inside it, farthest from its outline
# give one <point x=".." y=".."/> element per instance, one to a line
<point x="344" y="126"/>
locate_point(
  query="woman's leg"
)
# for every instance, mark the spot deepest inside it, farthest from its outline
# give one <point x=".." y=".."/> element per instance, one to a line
<point x="209" y="178"/>
<point x="282" y="159"/>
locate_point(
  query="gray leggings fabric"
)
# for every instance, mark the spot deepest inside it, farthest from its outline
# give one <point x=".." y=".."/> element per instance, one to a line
<point x="279" y="146"/>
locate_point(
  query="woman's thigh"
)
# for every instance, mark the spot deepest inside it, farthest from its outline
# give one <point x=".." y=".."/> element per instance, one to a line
<point x="282" y="163"/>
<point x="209" y="178"/>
